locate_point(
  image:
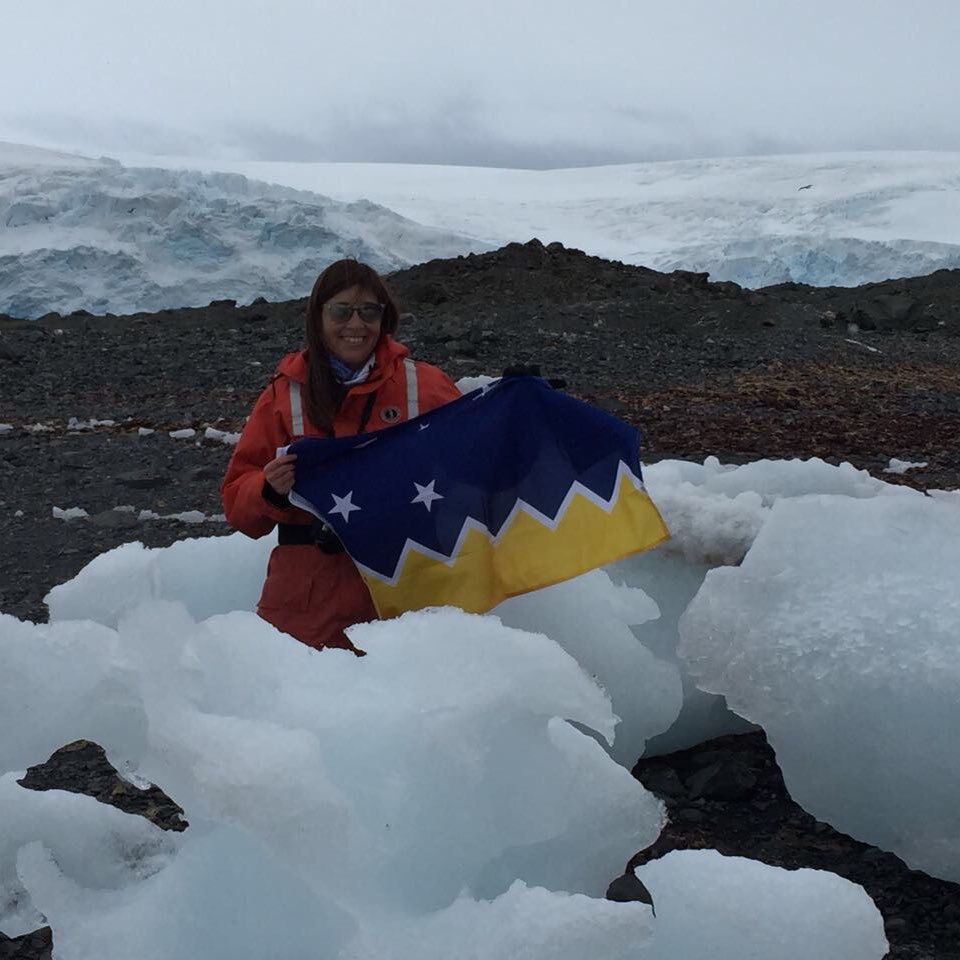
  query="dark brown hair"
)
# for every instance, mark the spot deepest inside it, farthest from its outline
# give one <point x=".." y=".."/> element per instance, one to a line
<point x="324" y="393"/>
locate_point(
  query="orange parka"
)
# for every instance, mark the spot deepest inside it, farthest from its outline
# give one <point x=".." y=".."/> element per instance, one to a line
<point x="310" y="594"/>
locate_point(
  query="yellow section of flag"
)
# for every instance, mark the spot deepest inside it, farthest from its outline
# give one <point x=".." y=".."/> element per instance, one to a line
<point x="530" y="553"/>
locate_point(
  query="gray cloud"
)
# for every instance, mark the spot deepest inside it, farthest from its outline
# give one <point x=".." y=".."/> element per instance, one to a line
<point x="535" y="84"/>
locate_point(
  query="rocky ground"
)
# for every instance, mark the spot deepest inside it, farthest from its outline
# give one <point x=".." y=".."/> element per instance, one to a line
<point x="861" y="374"/>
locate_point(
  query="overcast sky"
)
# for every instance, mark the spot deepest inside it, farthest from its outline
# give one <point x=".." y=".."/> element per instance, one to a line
<point x="522" y="83"/>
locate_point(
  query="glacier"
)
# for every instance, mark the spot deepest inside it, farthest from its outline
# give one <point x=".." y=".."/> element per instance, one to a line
<point x="148" y="233"/>
<point x="80" y="234"/>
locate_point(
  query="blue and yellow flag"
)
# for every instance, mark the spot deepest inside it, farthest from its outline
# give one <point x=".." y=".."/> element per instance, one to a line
<point x="510" y="488"/>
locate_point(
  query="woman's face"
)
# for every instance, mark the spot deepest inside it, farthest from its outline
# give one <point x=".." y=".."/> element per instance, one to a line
<point x="347" y="334"/>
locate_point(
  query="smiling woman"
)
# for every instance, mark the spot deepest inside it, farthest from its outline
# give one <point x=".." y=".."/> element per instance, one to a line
<point x="350" y="328"/>
<point x="352" y="377"/>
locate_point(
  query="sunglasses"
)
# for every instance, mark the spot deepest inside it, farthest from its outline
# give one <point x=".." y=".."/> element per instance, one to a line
<point x="342" y="312"/>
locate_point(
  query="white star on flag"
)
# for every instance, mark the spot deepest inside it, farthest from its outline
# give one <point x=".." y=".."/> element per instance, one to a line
<point x="426" y="495"/>
<point x="344" y="506"/>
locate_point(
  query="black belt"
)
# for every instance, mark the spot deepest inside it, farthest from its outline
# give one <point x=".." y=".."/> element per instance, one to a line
<point x="316" y="534"/>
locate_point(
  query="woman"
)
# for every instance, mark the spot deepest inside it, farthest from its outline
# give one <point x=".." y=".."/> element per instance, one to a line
<point x="352" y="377"/>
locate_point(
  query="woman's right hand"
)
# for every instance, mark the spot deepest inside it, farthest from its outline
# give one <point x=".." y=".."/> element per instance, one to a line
<point x="280" y="472"/>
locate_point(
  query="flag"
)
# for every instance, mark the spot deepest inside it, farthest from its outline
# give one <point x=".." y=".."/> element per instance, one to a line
<point x="512" y="487"/>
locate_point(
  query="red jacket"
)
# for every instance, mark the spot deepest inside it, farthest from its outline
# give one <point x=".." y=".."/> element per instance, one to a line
<point x="310" y="594"/>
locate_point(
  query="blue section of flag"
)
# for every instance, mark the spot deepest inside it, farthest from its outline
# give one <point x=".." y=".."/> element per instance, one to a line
<point x="516" y="439"/>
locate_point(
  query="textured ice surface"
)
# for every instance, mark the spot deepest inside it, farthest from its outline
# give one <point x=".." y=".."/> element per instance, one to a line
<point x="441" y="762"/>
<point x="522" y="924"/>
<point x="61" y="682"/>
<point x="840" y="634"/>
<point x="116" y="582"/>
<point x="714" y="513"/>
<point x="711" y="907"/>
<point x="591" y="618"/>
<point x="409" y="804"/>
<point x="94" y="844"/>
<point x="106" y="238"/>
<point x="223" y="898"/>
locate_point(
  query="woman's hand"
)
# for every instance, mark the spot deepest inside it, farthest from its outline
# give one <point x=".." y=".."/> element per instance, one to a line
<point x="279" y="473"/>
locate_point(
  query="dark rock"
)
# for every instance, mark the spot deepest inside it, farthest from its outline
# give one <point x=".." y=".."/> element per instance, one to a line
<point x="928" y="320"/>
<point x="72" y="460"/>
<point x="450" y="331"/>
<point x="139" y="480"/>
<point x="700" y="280"/>
<point x="689" y="815"/>
<point x="461" y="348"/>
<point x="82" y="767"/>
<point x="664" y="782"/>
<point x="431" y="292"/>
<point x="114" y="520"/>
<point x="37" y="945"/>
<point x="9" y="354"/>
<point x="628" y="889"/>
<point x="885" y="312"/>
<point x="703" y="755"/>
<point x="204" y="473"/>
<point x="896" y="307"/>
<point x="611" y="405"/>
<point x="727" y="779"/>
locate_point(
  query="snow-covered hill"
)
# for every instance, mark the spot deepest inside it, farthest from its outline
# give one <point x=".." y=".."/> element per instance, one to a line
<point x="103" y="236"/>
<point x="96" y="235"/>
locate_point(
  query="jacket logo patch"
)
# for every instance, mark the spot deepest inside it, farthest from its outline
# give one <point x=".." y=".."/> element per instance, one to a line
<point x="389" y="414"/>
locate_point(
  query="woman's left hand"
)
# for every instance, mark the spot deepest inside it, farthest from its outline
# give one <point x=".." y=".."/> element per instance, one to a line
<point x="280" y="473"/>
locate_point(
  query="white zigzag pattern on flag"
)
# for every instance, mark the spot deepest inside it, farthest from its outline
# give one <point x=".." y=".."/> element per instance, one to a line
<point x="521" y="506"/>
